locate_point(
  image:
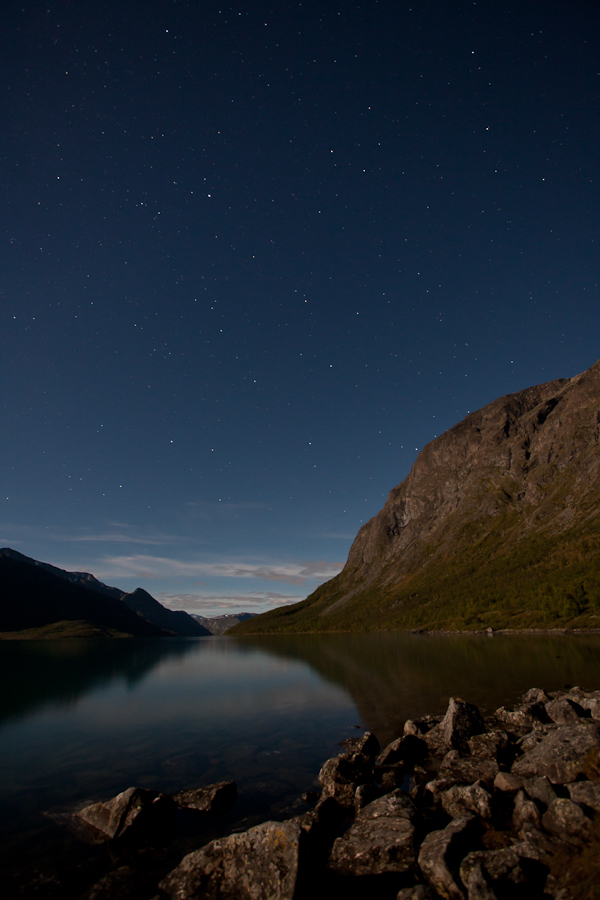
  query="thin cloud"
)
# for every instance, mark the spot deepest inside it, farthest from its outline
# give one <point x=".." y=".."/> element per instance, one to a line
<point x="142" y="565"/>
<point x="226" y="602"/>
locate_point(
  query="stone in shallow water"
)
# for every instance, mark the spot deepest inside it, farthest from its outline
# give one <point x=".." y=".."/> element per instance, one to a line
<point x="215" y="798"/>
<point x="133" y="814"/>
<point x="258" y="864"/>
<point x="381" y="840"/>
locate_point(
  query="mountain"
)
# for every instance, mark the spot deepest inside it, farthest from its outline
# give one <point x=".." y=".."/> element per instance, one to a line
<point x="139" y="602"/>
<point x="34" y="598"/>
<point x="222" y="624"/>
<point x="497" y="525"/>
<point x="179" y="622"/>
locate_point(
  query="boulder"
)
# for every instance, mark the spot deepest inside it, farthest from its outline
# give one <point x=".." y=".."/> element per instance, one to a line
<point x="469" y="770"/>
<point x="534" y="695"/>
<point x="526" y="815"/>
<point x="341" y="775"/>
<point x="510" y="872"/>
<point x="461" y="799"/>
<point x="566" y="819"/>
<point x="586" y="793"/>
<point x="367" y="744"/>
<point x="441" y="854"/>
<point x="135" y="815"/>
<point x="215" y="799"/>
<point x="564" y="711"/>
<point x="539" y="788"/>
<point x="381" y="840"/>
<point x="505" y="781"/>
<point x="562" y="755"/>
<point x="259" y="864"/>
<point x="421" y="726"/>
<point x="405" y="750"/>
<point x="462" y="721"/>
<point x="492" y="745"/>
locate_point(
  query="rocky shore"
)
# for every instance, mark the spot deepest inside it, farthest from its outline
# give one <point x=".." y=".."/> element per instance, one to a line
<point x="458" y="807"/>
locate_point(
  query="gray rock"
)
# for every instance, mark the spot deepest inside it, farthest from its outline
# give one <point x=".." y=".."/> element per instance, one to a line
<point x="534" y="695"/>
<point x="407" y="749"/>
<point x="215" y="798"/>
<point x="462" y="799"/>
<point x="367" y="744"/>
<point x="517" y="721"/>
<point x="462" y="721"/>
<point x="526" y="815"/>
<point x="421" y="726"/>
<point x="488" y="874"/>
<point x="381" y="840"/>
<point x="539" y="788"/>
<point x="592" y="706"/>
<point x="416" y="892"/>
<point x="565" y="711"/>
<point x="441" y="853"/>
<point x="364" y="794"/>
<point x="505" y="781"/>
<point x="259" y="864"/>
<point x="562" y="755"/>
<point x="493" y="745"/>
<point x="567" y="820"/>
<point x="134" y="814"/>
<point x="530" y="740"/>
<point x="341" y="775"/>
<point x="469" y="770"/>
<point x="586" y="793"/>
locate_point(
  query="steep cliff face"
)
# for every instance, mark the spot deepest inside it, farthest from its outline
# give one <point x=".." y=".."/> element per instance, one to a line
<point x="515" y="484"/>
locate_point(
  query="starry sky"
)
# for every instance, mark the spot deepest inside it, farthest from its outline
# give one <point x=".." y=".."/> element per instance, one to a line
<point x="254" y="256"/>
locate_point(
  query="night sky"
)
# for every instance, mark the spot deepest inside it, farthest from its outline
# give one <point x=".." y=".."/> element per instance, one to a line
<point x="254" y="256"/>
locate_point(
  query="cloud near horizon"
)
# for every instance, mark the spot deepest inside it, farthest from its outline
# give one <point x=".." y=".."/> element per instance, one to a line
<point x="144" y="566"/>
<point x="226" y="602"/>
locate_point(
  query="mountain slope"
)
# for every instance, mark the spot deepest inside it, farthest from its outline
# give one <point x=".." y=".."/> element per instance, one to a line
<point x="33" y="597"/>
<point x="179" y="622"/>
<point x="496" y="525"/>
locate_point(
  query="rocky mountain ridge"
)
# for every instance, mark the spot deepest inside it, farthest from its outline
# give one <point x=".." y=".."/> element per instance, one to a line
<point x="35" y="596"/>
<point x="496" y="525"/>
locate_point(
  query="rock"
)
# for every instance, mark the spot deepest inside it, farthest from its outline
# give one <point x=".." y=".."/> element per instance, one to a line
<point x="567" y="820"/>
<point x="540" y="789"/>
<point x="504" y="781"/>
<point x="462" y="721"/>
<point x="459" y="800"/>
<point x="518" y="721"/>
<point x="592" y="706"/>
<point x="526" y="815"/>
<point x="586" y="793"/>
<point x="564" y="712"/>
<point x="406" y="750"/>
<point x="215" y="799"/>
<point x="421" y="726"/>
<point x="563" y="754"/>
<point x="467" y="771"/>
<point x="381" y="840"/>
<point x="341" y="775"/>
<point x="417" y="892"/>
<point x="364" y="794"/>
<point x="488" y="874"/>
<point x="259" y="864"/>
<point x="534" y="695"/>
<point x="368" y="745"/>
<point x="441" y="853"/>
<point x="136" y="815"/>
<point x="324" y="818"/>
<point x="492" y="745"/>
<point x="530" y="740"/>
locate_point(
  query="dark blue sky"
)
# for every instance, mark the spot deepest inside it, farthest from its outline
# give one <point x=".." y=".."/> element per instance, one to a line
<point x="255" y="255"/>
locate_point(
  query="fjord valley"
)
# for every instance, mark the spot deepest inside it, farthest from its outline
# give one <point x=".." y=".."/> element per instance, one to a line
<point x="496" y="526"/>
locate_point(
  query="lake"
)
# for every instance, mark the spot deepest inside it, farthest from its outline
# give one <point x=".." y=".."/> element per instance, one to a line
<point x="83" y="720"/>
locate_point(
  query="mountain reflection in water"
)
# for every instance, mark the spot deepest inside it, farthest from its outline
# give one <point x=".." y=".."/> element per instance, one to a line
<point x="83" y="720"/>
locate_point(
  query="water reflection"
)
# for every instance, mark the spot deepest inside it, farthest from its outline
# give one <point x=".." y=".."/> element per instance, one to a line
<point x="393" y="676"/>
<point x="63" y="671"/>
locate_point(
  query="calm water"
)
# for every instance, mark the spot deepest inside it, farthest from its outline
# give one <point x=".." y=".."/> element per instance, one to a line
<point x="82" y="720"/>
